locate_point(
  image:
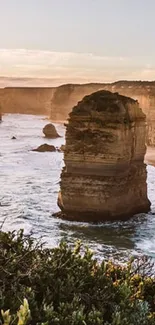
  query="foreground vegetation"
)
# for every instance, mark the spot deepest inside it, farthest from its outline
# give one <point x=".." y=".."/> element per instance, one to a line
<point x="62" y="286"/>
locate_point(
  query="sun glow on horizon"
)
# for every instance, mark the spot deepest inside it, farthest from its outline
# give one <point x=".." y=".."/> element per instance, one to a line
<point x="69" y="66"/>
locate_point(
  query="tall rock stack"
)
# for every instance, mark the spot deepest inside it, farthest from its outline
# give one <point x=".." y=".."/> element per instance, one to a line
<point x="104" y="175"/>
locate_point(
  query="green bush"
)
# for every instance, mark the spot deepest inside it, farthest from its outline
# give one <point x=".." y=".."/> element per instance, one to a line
<point x="65" y="286"/>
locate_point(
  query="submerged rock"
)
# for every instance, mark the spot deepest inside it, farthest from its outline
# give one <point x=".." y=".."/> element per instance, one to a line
<point x="50" y="131"/>
<point x="45" y="147"/>
<point x="104" y="175"/>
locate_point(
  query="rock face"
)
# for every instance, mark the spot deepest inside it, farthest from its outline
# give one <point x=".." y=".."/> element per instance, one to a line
<point x="104" y="175"/>
<point x="45" y="147"/>
<point x="50" y="131"/>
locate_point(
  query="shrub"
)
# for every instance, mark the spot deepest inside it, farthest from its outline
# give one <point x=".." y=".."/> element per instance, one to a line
<point x="63" y="286"/>
<point x="23" y="315"/>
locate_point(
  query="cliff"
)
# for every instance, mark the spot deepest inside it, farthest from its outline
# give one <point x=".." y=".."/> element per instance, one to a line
<point x="104" y="175"/>
<point x="66" y="96"/>
<point x="26" y="100"/>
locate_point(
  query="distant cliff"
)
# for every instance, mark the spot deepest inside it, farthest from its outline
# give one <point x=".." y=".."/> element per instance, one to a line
<point x="67" y="96"/>
<point x="26" y="100"/>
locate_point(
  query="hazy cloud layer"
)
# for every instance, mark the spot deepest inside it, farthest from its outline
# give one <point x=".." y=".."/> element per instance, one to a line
<point x="74" y="67"/>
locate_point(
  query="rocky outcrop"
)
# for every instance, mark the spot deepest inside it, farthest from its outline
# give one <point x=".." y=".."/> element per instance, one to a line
<point x="26" y="100"/>
<point x="50" y="131"/>
<point x="45" y="147"/>
<point x="67" y="96"/>
<point x="104" y="175"/>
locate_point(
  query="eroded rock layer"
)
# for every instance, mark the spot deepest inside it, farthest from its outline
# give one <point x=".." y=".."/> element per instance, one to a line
<point x="104" y="175"/>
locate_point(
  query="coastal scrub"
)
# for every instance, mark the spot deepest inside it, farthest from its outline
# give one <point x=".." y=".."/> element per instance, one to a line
<point x="66" y="286"/>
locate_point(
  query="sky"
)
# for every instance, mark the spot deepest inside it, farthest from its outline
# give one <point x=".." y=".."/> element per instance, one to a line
<point x="84" y="40"/>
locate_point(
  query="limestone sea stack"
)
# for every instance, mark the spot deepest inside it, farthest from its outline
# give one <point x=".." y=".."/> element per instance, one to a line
<point x="104" y="177"/>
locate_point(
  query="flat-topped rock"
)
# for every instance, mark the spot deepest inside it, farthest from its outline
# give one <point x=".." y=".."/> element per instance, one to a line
<point x="104" y="175"/>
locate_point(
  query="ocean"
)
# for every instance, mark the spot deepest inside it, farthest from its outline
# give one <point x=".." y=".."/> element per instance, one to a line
<point x="29" y="185"/>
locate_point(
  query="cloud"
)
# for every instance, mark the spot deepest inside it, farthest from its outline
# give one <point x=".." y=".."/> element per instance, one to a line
<point x="83" y="67"/>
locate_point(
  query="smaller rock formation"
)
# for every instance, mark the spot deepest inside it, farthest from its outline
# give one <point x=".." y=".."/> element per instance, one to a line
<point x="104" y="175"/>
<point x="62" y="148"/>
<point x="45" y="147"/>
<point x="50" y="131"/>
<point x="13" y="138"/>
